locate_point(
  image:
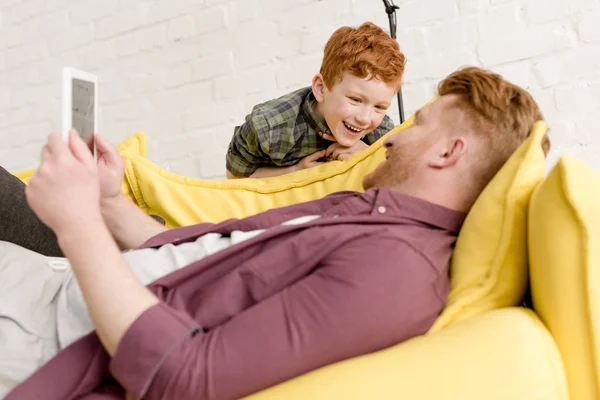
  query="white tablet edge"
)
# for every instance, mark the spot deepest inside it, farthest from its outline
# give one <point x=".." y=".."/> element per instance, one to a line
<point x="67" y="80"/>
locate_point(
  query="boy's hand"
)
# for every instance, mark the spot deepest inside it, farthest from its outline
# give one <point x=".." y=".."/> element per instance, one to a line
<point x="338" y="152"/>
<point x="111" y="169"/>
<point x="64" y="192"/>
<point x="311" y="160"/>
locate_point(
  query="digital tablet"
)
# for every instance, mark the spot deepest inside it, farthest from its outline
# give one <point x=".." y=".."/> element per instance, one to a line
<point x="80" y="104"/>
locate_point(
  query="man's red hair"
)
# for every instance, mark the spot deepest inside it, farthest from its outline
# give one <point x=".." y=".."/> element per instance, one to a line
<point x="501" y="113"/>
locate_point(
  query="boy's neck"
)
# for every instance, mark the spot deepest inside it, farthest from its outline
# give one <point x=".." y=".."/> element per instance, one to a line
<point x="316" y="108"/>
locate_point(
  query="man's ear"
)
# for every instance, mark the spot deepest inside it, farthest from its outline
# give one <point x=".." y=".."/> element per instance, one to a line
<point x="450" y="154"/>
<point x="319" y="87"/>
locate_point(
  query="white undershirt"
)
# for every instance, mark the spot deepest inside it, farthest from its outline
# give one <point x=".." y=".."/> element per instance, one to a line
<point x="73" y="319"/>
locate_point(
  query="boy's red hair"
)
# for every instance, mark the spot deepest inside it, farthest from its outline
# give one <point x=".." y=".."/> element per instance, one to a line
<point x="366" y="51"/>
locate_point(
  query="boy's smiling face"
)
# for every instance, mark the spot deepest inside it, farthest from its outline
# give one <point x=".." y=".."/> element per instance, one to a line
<point x="353" y="107"/>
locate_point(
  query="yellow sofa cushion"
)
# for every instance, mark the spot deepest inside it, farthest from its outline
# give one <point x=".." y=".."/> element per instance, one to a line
<point x="489" y="264"/>
<point x="185" y="201"/>
<point x="134" y="145"/>
<point x="502" y="354"/>
<point x="564" y="237"/>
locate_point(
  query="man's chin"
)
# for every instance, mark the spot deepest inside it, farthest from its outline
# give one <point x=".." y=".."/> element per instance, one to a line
<point x="368" y="181"/>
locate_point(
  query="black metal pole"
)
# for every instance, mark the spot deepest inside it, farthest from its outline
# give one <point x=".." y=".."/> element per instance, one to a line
<point x="390" y="9"/>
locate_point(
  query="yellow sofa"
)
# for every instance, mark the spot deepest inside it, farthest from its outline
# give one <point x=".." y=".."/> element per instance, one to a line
<point x="524" y="228"/>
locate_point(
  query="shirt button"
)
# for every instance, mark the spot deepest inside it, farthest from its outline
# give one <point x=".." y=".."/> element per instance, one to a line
<point x="335" y="216"/>
<point x="381" y="209"/>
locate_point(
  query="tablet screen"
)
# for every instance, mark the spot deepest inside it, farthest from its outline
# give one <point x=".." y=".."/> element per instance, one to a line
<point x="83" y="99"/>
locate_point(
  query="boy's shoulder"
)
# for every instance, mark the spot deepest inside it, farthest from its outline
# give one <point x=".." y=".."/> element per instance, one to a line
<point x="281" y="110"/>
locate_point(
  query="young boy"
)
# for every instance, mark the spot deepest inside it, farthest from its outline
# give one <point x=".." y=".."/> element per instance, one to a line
<point x="360" y="74"/>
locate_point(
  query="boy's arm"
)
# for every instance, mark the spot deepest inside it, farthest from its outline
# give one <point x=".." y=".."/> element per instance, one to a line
<point x="250" y="152"/>
<point x="244" y="154"/>
<point x="265" y="172"/>
<point x="309" y="161"/>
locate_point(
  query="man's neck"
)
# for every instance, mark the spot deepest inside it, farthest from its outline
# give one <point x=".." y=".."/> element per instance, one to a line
<point x="436" y="193"/>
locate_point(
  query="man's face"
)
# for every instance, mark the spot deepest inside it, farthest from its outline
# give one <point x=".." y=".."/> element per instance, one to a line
<point x="409" y="152"/>
<point x="354" y="107"/>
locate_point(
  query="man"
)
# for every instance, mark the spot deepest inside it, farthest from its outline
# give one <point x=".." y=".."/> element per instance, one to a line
<point x="239" y="306"/>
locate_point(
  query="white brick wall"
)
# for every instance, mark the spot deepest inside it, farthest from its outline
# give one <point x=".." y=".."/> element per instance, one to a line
<point x="187" y="71"/>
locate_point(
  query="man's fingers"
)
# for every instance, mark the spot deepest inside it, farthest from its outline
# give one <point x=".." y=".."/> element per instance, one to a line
<point x="106" y="150"/>
<point x="56" y="145"/>
<point x="79" y="148"/>
<point x="44" y="155"/>
<point x="90" y="142"/>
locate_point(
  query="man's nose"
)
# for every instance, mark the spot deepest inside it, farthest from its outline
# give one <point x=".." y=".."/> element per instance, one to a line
<point x="392" y="139"/>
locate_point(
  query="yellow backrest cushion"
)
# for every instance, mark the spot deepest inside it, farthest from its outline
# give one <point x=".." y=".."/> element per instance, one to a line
<point x="489" y="264"/>
<point x="564" y="250"/>
<point x="134" y="145"/>
<point x="185" y="201"/>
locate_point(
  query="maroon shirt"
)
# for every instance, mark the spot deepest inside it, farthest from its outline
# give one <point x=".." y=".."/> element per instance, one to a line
<point x="370" y="273"/>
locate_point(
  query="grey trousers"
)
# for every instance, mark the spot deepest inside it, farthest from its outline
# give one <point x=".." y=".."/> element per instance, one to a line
<point x="18" y="223"/>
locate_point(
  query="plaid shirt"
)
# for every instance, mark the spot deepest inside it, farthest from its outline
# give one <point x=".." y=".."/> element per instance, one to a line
<point x="281" y="132"/>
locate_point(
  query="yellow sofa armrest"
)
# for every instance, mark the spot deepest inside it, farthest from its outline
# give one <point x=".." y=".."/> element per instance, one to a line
<point x="502" y="354"/>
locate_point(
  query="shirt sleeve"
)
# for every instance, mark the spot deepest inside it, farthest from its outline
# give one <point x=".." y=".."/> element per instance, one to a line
<point x="245" y="153"/>
<point x="387" y="124"/>
<point x="343" y="309"/>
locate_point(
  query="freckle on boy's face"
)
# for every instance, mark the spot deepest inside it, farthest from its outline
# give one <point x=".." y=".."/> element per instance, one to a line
<point x="355" y="107"/>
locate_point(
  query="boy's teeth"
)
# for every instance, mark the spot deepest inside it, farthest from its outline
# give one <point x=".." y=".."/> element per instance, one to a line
<point x="351" y="127"/>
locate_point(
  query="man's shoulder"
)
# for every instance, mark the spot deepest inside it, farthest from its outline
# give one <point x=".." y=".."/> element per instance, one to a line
<point x="281" y="110"/>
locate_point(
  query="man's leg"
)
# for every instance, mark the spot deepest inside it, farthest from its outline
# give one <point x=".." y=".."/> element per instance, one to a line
<point x="18" y="223"/>
<point x="29" y="287"/>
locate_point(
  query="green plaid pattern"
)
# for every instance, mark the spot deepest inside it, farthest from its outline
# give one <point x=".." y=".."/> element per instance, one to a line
<point x="281" y="132"/>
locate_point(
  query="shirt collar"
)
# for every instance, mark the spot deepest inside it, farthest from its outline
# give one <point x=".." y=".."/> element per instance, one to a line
<point x="316" y="122"/>
<point x="402" y="205"/>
